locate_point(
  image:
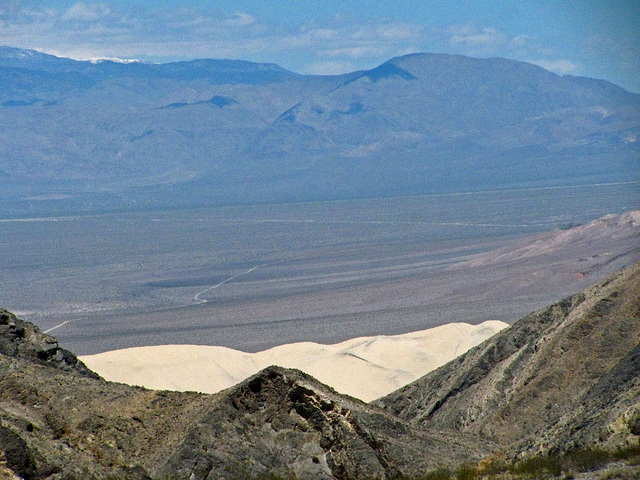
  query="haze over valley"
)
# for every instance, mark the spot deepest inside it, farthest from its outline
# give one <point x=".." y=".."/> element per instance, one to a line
<point x="255" y="277"/>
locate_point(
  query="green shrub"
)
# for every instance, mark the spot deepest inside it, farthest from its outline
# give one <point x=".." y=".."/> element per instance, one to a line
<point x="466" y="472"/>
<point x="621" y="474"/>
<point x="630" y="454"/>
<point x="538" y="465"/>
<point x="439" y="474"/>
<point x="589" y="459"/>
<point x="274" y="476"/>
<point x="493" y="467"/>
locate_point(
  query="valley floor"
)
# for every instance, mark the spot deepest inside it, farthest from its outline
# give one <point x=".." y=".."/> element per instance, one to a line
<point x="251" y="278"/>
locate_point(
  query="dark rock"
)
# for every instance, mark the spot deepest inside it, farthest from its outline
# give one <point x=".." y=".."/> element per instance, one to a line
<point x="23" y="339"/>
<point x="17" y="454"/>
<point x="136" y="473"/>
<point x="562" y="379"/>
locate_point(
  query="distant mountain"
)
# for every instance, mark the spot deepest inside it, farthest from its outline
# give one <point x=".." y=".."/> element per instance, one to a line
<point x="111" y="134"/>
<point x="564" y="380"/>
<point x="219" y="71"/>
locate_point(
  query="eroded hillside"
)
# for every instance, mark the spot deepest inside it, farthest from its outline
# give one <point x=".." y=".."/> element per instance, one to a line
<point x="564" y="378"/>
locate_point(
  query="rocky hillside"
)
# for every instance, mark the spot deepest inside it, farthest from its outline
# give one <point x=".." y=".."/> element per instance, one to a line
<point x="63" y="422"/>
<point x="289" y="423"/>
<point x="562" y="378"/>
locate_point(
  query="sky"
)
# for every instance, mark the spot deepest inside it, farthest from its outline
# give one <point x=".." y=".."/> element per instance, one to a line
<point x="595" y="38"/>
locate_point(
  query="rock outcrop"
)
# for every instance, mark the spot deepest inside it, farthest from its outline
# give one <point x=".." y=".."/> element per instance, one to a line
<point x="285" y="422"/>
<point x="25" y="340"/>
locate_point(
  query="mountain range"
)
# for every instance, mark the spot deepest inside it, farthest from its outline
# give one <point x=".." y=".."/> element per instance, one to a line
<point x="80" y="135"/>
<point x="554" y="395"/>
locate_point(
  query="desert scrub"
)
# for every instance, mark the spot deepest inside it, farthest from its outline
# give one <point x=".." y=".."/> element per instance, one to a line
<point x="466" y="471"/>
<point x="588" y="460"/>
<point x="539" y="465"/>
<point x="620" y="474"/>
<point x="275" y="476"/>
<point x="438" y="474"/>
<point x="631" y="455"/>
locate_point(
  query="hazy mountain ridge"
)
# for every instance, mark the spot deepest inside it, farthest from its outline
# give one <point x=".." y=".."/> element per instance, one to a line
<point x="415" y="124"/>
<point x="565" y="377"/>
<point x="218" y="71"/>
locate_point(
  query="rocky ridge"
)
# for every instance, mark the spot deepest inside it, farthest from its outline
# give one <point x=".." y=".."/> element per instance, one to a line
<point x="564" y="378"/>
<point x="60" y="422"/>
<point x="289" y="422"/>
<point x="24" y="339"/>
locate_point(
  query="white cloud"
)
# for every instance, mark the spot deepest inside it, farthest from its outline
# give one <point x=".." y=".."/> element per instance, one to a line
<point x="240" y="19"/>
<point x="8" y="7"/>
<point x="520" y="40"/>
<point x="322" y="34"/>
<point x="484" y="39"/>
<point x="400" y="32"/>
<point x="361" y="51"/>
<point x="559" y="66"/>
<point x="606" y="45"/>
<point x="83" y="11"/>
<point x="92" y="29"/>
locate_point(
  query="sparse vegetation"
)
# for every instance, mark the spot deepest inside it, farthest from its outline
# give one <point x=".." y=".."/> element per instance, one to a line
<point x="466" y="472"/>
<point x="439" y="474"/>
<point x="621" y="474"/>
<point x="550" y="465"/>
<point x="589" y="459"/>
<point x="67" y="421"/>
<point x="273" y="476"/>
<point x="565" y="467"/>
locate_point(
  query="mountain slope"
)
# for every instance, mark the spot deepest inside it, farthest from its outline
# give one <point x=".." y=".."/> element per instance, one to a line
<point x="141" y="134"/>
<point x="288" y="422"/>
<point x="23" y="339"/>
<point x="562" y="378"/>
<point x="69" y="423"/>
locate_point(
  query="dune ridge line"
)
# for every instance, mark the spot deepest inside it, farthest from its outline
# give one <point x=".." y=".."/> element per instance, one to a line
<point x="364" y="367"/>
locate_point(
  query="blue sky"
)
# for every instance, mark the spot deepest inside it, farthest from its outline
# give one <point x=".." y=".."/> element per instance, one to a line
<point x="581" y="37"/>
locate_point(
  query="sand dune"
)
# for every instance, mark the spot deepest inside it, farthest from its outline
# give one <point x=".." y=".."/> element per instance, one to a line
<point x="366" y="367"/>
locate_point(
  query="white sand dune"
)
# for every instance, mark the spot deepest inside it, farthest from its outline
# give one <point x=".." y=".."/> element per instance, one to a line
<point x="365" y="368"/>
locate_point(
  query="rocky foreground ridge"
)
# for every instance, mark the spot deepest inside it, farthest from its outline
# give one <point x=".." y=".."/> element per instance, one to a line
<point x="564" y="378"/>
